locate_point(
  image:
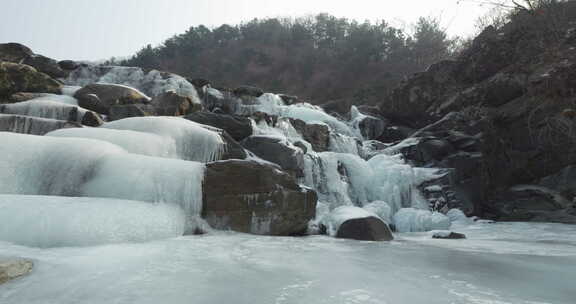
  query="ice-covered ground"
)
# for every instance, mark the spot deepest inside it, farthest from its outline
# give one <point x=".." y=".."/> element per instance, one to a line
<point x="497" y="264"/>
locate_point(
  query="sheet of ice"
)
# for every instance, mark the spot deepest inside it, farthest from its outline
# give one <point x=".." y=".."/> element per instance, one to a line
<point x="46" y="107"/>
<point x="338" y="216"/>
<point x="132" y="141"/>
<point x="260" y="270"/>
<point x="41" y="165"/>
<point x="150" y="179"/>
<point x="193" y="141"/>
<point x="414" y="220"/>
<point x="55" y="221"/>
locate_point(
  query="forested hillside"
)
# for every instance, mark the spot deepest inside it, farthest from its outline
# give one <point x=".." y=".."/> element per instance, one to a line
<point x="319" y="58"/>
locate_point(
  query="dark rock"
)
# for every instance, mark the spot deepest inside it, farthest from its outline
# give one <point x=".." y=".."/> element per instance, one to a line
<point x="117" y="112"/>
<point x="395" y="133"/>
<point x="251" y="197"/>
<point x="276" y="150"/>
<point x="109" y="95"/>
<point x="365" y="229"/>
<point x="233" y="149"/>
<point x="238" y="127"/>
<point x="25" y="96"/>
<point x="18" y="53"/>
<point x="68" y="65"/>
<point x="317" y="135"/>
<point x="199" y="82"/>
<point x="248" y="91"/>
<point x="449" y="236"/>
<point x="24" y="78"/>
<point x="172" y="104"/>
<point x="288" y="99"/>
<point x="92" y="119"/>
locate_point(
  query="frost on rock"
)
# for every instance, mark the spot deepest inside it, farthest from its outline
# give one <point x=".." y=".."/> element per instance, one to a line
<point x="54" y="221"/>
<point x="192" y="141"/>
<point x="151" y="83"/>
<point x="415" y="220"/>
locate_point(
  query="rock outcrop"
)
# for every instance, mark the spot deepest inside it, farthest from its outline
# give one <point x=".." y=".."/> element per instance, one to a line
<point x="238" y="127"/>
<point x="101" y="97"/>
<point x="15" y="77"/>
<point x="498" y="116"/>
<point x="251" y="197"/>
<point x="18" y="53"/>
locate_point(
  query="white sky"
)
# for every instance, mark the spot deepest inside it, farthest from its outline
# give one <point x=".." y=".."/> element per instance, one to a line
<point x="99" y="29"/>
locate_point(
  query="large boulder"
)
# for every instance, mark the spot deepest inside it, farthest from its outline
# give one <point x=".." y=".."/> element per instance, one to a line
<point x="11" y="269"/>
<point x="356" y="223"/>
<point x="101" y="97"/>
<point x="172" y="104"/>
<point x="252" y="197"/>
<point x="237" y="126"/>
<point x="318" y="135"/>
<point x="277" y="150"/>
<point x="16" y="77"/>
<point x="18" y="53"/>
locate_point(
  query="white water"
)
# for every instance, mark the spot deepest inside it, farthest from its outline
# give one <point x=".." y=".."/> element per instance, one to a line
<point x="512" y="263"/>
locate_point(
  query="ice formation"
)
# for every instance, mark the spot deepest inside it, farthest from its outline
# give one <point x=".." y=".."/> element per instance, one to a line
<point x="191" y="141"/>
<point x="58" y="107"/>
<point x="414" y="220"/>
<point x="41" y="165"/>
<point x="151" y="83"/>
<point x="30" y="125"/>
<point x="55" y="221"/>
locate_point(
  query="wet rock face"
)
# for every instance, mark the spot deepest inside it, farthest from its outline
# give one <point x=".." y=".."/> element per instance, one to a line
<point x="251" y="197"/>
<point x="173" y="104"/>
<point x="317" y="135"/>
<point x="108" y="95"/>
<point x="288" y="157"/>
<point x="238" y="127"/>
<point x="16" y="77"/>
<point x="18" y="53"/>
<point x="365" y="229"/>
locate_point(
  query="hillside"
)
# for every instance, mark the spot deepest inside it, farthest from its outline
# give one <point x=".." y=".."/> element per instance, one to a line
<point x="320" y="58"/>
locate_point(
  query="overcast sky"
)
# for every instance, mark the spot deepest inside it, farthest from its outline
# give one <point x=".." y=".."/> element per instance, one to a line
<point x="99" y="29"/>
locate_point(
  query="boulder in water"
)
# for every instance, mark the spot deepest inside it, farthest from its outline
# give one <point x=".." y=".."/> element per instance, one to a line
<point x="252" y="197"/>
<point x="355" y="223"/>
<point x="14" y="268"/>
<point x="318" y="135"/>
<point x="108" y="95"/>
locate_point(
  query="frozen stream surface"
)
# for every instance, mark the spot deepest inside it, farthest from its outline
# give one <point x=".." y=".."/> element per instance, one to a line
<point x="498" y="263"/>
